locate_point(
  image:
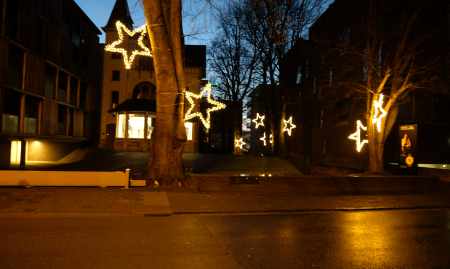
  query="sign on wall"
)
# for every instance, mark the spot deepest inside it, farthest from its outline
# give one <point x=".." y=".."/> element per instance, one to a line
<point x="407" y="135"/>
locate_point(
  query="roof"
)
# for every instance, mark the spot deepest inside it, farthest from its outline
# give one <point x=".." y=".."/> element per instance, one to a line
<point x="195" y="55"/>
<point x="135" y="105"/>
<point x="121" y="13"/>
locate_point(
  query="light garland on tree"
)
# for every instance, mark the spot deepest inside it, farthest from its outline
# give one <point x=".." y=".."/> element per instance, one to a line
<point x="144" y="52"/>
<point x="378" y="109"/>
<point x="264" y="139"/>
<point x="357" y="135"/>
<point x="290" y="123"/>
<point x="240" y="143"/>
<point x="256" y="120"/>
<point x="190" y="115"/>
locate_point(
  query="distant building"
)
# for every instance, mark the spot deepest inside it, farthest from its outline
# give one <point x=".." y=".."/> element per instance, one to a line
<point x="128" y="105"/>
<point x="50" y="70"/>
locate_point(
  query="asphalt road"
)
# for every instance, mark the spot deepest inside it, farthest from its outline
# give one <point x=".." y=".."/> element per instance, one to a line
<point x="358" y="239"/>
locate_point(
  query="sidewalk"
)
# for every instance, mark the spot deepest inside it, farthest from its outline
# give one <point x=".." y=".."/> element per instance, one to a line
<point x="75" y="201"/>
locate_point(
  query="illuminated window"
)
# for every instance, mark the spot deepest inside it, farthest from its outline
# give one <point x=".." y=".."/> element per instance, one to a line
<point x="121" y="125"/>
<point x="136" y="124"/>
<point x="150" y="125"/>
<point x="188" y="126"/>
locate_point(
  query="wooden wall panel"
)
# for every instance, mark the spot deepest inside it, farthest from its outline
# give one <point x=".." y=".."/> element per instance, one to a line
<point x="53" y="12"/>
<point x="34" y="74"/>
<point x="78" y="128"/>
<point x="65" y="52"/>
<point x="28" y="27"/>
<point x="92" y="98"/>
<point x="94" y="72"/>
<point x="51" y="43"/>
<point x="4" y="45"/>
<point x="49" y="117"/>
<point x="91" y="125"/>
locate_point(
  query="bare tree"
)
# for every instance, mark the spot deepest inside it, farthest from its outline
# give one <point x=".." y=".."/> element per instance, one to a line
<point x="233" y="62"/>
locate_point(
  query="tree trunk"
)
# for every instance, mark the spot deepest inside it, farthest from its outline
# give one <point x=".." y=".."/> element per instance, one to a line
<point x="169" y="135"/>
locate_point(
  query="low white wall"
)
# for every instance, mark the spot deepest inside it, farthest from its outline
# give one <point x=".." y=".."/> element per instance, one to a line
<point x="64" y="178"/>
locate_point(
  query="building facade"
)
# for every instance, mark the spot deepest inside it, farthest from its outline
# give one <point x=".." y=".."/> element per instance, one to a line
<point x="128" y="106"/>
<point x="50" y="65"/>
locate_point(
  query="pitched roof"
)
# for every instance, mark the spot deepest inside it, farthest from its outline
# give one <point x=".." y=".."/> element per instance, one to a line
<point x="120" y="12"/>
<point x="135" y="105"/>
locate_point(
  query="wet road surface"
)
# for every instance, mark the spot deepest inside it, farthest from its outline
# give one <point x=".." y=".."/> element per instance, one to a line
<point x="357" y="239"/>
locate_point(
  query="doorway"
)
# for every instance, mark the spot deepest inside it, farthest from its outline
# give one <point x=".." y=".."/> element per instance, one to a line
<point x="110" y="135"/>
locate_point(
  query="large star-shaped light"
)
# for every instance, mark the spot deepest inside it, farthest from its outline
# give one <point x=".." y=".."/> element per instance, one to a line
<point x="357" y="136"/>
<point x="112" y="47"/>
<point x="259" y="120"/>
<point x="264" y="139"/>
<point x="240" y="143"/>
<point x="190" y="115"/>
<point x="290" y="124"/>
<point x="378" y="109"/>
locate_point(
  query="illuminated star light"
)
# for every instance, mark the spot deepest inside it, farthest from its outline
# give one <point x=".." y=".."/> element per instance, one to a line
<point x="377" y="120"/>
<point x="256" y="120"/>
<point x="144" y="52"/>
<point x="290" y="123"/>
<point x="190" y="115"/>
<point x="264" y="139"/>
<point x="240" y="143"/>
<point x="357" y="136"/>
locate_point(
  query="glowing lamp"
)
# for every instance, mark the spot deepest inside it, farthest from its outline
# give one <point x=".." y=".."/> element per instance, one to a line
<point x="378" y="110"/>
<point x="144" y="52"/>
<point x="240" y="143"/>
<point x="264" y="139"/>
<point x="290" y="124"/>
<point x="259" y="120"/>
<point x="190" y="115"/>
<point x="357" y="136"/>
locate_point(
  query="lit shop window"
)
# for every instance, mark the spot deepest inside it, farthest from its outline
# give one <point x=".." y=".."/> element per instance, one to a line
<point x="136" y="124"/>
<point x="150" y="126"/>
<point x="122" y="122"/>
<point x="188" y="126"/>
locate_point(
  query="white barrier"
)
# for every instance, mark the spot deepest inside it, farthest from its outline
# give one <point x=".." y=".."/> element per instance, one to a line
<point x="64" y="178"/>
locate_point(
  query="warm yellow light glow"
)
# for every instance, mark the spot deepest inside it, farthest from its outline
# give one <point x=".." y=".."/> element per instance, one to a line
<point x="378" y="109"/>
<point x="290" y="123"/>
<point x="264" y="139"/>
<point x="258" y="118"/>
<point x="190" y="115"/>
<point x="357" y="136"/>
<point x="240" y="143"/>
<point x="112" y="47"/>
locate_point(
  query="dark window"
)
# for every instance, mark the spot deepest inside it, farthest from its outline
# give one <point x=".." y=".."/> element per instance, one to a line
<point x="50" y="81"/>
<point x="114" y="99"/>
<point x="41" y="7"/>
<point x="76" y="31"/>
<point x="116" y="55"/>
<point x="75" y="60"/>
<point x="70" y="121"/>
<point x="342" y="112"/>
<point x="145" y="61"/>
<point x="12" y="19"/>
<point x="83" y="93"/>
<point x="62" y="87"/>
<point x="15" y="67"/>
<point x="144" y="90"/>
<point x="84" y="66"/>
<point x="116" y="75"/>
<point x="62" y="119"/>
<point x="1" y="12"/>
<point x="11" y="111"/>
<point x="65" y="23"/>
<point x="31" y="114"/>
<point x="73" y="91"/>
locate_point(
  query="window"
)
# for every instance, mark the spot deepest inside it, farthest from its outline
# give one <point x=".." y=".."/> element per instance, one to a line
<point x="121" y="125"/>
<point x="62" y="119"/>
<point x="83" y="93"/>
<point x="65" y="23"/>
<point x="144" y="90"/>
<point x="342" y="111"/>
<point x="115" y="75"/>
<point x="76" y="31"/>
<point x="62" y="87"/>
<point x="15" y="67"/>
<point x="75" y="60"/>
<point x="11" y="111"/>
<point x="114" y="99"/>
<point x="188" y="126"/>
<point x="321" y="119"/>
<point x="73" y="91"/>
<point x="116" y="55"/>
<point x="70" y="121"/>
<point x="31" y="114"/>
<point x="299" y="74"/>
<point x="50" y="81"/>
<point x="136" y="125"/>
<point x="12" y="19"/>
<point x="150" y="125"/>
<point x="144" y="61"/>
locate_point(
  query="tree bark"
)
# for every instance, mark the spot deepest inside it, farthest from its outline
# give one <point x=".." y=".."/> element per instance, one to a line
<point x="169" y="136"/>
